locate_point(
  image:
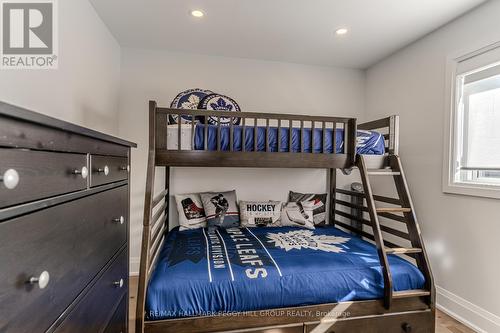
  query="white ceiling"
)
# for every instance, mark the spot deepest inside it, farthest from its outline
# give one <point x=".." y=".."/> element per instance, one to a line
<point x="300" y="31"/>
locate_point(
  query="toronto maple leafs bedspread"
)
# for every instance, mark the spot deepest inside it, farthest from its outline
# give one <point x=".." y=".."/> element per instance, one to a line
<point x="241" y="269"/>
<point x="368" y="142"/>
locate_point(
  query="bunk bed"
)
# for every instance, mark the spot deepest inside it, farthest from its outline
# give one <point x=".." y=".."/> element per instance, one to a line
<point x="295" y="141"/>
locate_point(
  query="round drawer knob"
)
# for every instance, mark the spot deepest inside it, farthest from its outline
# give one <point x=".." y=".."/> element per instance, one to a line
<point x="406" y="327"/>
<point x="10" y="179"/>
<point x="104" y="170"/>
<point x="84" y="172"/>
<point x="118" y="284"/>
<point x="125" y="168"/>
<point x="42" y="280"/>
<point x="119" y="220"/>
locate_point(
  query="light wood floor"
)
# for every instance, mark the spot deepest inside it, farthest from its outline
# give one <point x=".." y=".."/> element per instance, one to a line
<point x="445" y="324"/>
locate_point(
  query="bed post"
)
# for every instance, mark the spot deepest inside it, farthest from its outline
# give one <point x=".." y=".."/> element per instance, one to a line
<point x="394" y="135"/>
<point x="146" y="231"/>
<point x="332" y="185"/>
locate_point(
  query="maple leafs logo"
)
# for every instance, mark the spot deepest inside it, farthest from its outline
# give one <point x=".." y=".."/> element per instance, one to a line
<point x="221" y="105"/>
<point x="191" y="103"/>
<point x="306" y="239"/>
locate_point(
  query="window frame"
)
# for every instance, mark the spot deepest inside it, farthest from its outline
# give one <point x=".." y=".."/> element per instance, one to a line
<point x="451" y="131"/>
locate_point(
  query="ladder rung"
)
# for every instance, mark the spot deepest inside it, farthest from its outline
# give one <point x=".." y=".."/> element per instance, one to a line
<point x="410" y="293"/>
<point x="403" y="250"/>
<point x="393" y="210"/>
<point x="383" y="172"/>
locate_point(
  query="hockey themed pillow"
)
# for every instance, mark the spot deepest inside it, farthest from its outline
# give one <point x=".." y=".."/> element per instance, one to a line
<point x="221" y="209"/>
<point x="191" y="212"/>
<point x="260" y="213"/>
<point x="319" y="209"/>
<point x="298" y="214"/>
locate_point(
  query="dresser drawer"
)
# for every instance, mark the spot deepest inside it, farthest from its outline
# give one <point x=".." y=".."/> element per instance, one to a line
<point x="118" y="323"/>
<point x="40" y="175"/>
<point x="414" y="322"/>
<point x="107" y="169"/>
<point x="71" y="242"/>
<point x="95" y="310"/>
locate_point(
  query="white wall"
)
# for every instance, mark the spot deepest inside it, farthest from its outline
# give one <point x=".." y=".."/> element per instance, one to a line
<point x="462" y="233"/>
<point x="84" y="89"/>
<point x="257" y="86"/>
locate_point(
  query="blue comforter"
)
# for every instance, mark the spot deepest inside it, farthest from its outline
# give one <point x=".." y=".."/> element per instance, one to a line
<point x="368" y="142"/>
<point x="204" y="273"/>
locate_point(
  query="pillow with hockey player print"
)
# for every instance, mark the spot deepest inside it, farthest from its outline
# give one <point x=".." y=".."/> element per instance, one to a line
<point x="319" y="209"/>
<point x="260" y="213"/>
<point x="298" y="214"/>
<point x="221" y="209"/>
<point x="191" y="212"/>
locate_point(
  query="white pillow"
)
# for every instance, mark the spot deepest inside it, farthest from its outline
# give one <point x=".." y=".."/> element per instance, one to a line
<point x="191" y="212"/>
<point x="260" y="213"/>
<point x="298" y="214"/>
<point x="221" y="209"/>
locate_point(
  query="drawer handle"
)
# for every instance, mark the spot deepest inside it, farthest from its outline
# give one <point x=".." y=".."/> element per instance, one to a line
<point x="118" y="284"/>
<point x="104" y="170"/>
<point x="119" y="220"/>
<point x="10" y="179"/>
<point x="125" y="168"/>
<point x="406" y="327"/>
<point x="84" y="172"/>
<point x="42" y="280"/>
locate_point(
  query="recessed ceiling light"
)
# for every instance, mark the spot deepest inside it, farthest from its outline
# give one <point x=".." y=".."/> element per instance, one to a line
<point x="197" y="13"/>
<point x="341" y="31"/>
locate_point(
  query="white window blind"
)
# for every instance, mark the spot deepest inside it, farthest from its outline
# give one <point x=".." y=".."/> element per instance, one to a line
<point x="478" y="60"/>
<point x="476" y="114"/>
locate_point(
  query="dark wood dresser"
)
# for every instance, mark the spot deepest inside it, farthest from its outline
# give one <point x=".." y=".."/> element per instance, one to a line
<point x="64" y="226"/>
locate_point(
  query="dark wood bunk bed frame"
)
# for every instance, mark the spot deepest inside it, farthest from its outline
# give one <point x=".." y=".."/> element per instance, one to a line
<point x="406" y="311"/>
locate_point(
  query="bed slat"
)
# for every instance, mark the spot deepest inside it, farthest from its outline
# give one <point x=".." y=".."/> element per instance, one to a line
<point x="243" y="135"/>
<point x="255" y="131"/>
<point x="179" y="132"/>
<point x="205" y="130"/>
<point x="323" y="137"/>
<point x="334" y="139"/>
<point x="231" y="135"/>
<point x="158" y="232"/>
<point x="278" y="136"/>
<point x="313" y="125"/>
<point x="193" y="119"/>
<point x="159" y="197"/>
<point x="218" y="134"/>
<point x="159" y="212"/>
<point x="301" y="136"/>
<point x="267" y="135"/>
<point x="155" y="256"/>
<point x="393" y="217"/>
<point x="363" y="233"/>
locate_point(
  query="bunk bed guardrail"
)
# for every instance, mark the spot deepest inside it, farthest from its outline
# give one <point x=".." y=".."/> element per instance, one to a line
<point x="389" y="125"/>
<point x="179" y="155"/>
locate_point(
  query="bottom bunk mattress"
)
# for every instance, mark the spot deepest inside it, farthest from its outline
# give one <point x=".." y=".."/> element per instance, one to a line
<point x="201" y="272"/>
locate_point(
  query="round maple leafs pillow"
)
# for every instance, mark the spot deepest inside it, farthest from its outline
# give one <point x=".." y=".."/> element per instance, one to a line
<point x="218" y="102"/>
<point x="187" y="99"/>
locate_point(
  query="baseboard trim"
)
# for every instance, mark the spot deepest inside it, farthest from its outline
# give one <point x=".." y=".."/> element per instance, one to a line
<point x="469" y="314"/>
<point x="134" y="266"/>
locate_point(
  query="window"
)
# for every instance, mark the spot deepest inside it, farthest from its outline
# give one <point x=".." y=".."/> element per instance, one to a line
<point x="473" y="165"/>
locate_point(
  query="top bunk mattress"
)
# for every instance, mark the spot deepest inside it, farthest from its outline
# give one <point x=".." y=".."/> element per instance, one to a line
<point x="240" y="269"/>
<point x="367" y="142"/>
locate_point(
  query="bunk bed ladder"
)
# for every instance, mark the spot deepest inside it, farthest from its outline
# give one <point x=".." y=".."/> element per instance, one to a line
<point x="417" y="250"/>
